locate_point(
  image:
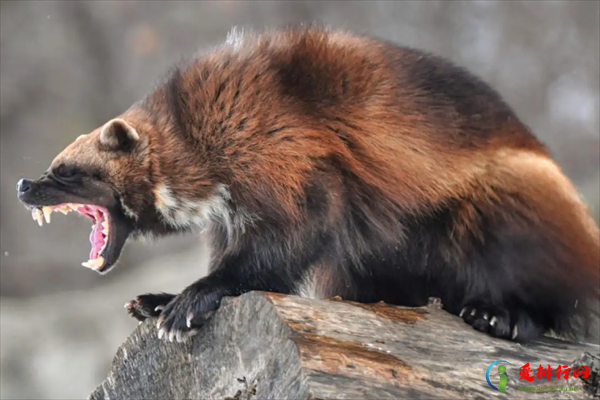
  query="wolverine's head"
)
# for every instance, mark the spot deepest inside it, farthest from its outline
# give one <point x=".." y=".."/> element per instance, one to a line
<point x="102" y="175"/>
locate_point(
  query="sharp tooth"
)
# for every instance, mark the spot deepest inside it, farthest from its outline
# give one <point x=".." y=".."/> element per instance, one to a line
<point x="99" y="261"/>
<point x="64" y="209"/>
<point x="38" y="216"/>
<point x="47" y="211"/>
<point x="105" y="227"/>
<point x="95" y="263"/>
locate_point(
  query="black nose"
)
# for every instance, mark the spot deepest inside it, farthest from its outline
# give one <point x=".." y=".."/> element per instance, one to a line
<point x="23" y="185"/>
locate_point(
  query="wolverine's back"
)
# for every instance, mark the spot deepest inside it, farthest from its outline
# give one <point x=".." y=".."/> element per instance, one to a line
<point x="389" y="114"/>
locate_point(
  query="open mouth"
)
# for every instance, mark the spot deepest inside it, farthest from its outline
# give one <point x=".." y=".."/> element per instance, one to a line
<point x="101" y="228"/>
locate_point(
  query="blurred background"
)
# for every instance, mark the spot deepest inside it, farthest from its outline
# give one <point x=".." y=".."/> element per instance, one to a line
<point x="67" y="67"/>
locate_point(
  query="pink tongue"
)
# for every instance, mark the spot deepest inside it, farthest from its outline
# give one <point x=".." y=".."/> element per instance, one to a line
<point x="96" y="240"/>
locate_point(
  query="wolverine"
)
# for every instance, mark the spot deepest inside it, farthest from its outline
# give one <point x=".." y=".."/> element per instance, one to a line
<point x="321" y="163"/>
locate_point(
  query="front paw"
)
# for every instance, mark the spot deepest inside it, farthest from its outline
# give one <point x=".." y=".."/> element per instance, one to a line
<point x="182" y="317"/>
<point x="148" y="305"/>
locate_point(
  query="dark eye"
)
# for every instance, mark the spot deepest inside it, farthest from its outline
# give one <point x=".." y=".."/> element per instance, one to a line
<point x="67" y="173"/>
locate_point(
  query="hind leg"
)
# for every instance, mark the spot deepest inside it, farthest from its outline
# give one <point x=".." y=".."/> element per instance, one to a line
<point x="501" y="322"/>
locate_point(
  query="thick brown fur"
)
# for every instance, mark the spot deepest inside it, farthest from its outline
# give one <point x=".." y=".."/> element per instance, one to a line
<point x="357" y="168"/>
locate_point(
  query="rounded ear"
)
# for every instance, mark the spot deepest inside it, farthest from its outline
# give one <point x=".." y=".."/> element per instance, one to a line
<point x="118" y="135"/>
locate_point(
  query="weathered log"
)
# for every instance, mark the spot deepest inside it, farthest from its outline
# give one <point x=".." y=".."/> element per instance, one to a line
<point x="270" y="346"/>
